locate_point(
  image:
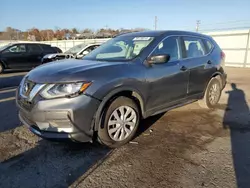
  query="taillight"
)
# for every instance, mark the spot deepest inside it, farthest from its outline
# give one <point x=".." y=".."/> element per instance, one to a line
<point x="223" y="55"/>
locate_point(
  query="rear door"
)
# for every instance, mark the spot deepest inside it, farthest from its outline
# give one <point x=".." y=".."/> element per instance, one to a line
<point x="199" y="63"/>
<point x="15" y="57"/>
<point x="35" y="54"/>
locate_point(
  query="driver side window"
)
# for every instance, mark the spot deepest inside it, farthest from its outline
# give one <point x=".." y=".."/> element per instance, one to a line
<point x="19" y="48"/>
<point x="168" y="46"/>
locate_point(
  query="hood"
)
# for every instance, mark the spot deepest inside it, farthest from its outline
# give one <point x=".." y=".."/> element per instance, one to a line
<point x="49" y="56"/>
<point x="69" y="71"/>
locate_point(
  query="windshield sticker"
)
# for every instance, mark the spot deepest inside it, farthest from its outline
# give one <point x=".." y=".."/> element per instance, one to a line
<point x="142" y="38"/>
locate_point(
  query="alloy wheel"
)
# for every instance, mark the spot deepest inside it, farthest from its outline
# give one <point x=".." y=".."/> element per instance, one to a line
<point x="121" y="123"/>
<point x="214" y="93"/>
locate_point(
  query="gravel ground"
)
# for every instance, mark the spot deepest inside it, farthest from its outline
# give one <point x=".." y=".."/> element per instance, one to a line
<point x="186" y="147"/>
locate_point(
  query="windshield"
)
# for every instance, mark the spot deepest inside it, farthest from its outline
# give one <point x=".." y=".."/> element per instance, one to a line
<point x="75" y="49"/>
<point x="5" y="46"/>
<point x="120" y="48"/>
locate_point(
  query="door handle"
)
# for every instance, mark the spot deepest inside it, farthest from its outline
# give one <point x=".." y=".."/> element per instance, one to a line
<point x="209" y="62"/>
<point x="183" y="68"/>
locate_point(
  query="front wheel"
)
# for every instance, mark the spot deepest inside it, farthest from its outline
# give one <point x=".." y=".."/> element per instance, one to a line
<point x="212" y="94"/>
<point x="120" y="122"/>
<point x="1" y="68"/>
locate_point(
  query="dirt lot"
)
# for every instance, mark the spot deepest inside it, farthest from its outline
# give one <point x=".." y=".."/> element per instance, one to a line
<point x="186" y="147"/>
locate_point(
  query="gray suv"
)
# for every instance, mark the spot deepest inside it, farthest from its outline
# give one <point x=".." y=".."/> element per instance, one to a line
<point x="130" y="77"/>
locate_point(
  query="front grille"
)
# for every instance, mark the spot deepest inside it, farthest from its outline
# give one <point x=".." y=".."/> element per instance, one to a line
<point x="28" y="91"/>
<point x="24" y="103"/>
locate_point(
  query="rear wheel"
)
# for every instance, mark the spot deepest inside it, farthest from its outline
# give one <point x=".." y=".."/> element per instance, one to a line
<point x="120" y="123"/>
<point x="212" y="94"/>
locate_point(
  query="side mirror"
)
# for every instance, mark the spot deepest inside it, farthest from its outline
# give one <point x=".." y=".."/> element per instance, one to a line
<point x="85" y="53"/>
<point x="157" y="59"/>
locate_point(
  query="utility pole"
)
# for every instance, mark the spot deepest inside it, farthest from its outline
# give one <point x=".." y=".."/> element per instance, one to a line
<point x="155" y="23"/>
<point x="198" y="22"/>
<point x="17" y="34"/>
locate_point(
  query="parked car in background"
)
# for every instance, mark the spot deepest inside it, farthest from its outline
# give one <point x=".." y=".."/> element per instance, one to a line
<point x="58" y="50"/>
<point x="23" y="55"/>
<point x="76" y="52"/>
<point x="130" y="77"/>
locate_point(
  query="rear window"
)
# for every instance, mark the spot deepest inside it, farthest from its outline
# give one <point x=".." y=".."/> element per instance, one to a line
<point x="48" y="49"/>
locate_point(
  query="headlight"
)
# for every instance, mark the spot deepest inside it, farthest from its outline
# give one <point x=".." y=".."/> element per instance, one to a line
<point x="51" y="56"/>
<point x="63" y="90"/>
<point x="21" y="85"/>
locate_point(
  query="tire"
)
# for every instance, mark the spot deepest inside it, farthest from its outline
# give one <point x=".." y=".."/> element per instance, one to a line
<point x="124" y="132"/>
<point x="1" y="68"/>
<point x="212" y="94"/>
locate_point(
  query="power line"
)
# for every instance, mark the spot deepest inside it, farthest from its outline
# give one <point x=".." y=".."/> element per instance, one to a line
<point x="227" y="22"/>
<point x="240" y="24"/>
<point x="232" y="23"/>
<point x="225" y="28"/>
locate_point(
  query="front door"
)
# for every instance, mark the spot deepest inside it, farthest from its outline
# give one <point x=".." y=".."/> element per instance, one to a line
<point x="168" y="81"/>
<point x="15" y="56"/>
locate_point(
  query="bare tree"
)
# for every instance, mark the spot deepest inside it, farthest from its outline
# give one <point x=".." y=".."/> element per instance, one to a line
<point x="87" y="31"/>
<point x="35" y="34"/>
<point x="74" y="31"/>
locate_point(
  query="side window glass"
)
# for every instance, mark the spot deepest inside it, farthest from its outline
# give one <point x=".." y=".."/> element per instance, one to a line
<point x="19" y="48"/>
<point x="193" y="47"/>
<point x="89" y="49"/>
<point x="94" y="47"/>
<point x="209" y="45"/>
<point x="48" y="49"/>
<point x="86" y="51"/>
<point x="34" y="48"/>
<point x="139" y="46"/>
<point x="170" y="47"/>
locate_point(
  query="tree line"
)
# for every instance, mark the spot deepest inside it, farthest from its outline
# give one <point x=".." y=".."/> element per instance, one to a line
<point x="35" y="34"/>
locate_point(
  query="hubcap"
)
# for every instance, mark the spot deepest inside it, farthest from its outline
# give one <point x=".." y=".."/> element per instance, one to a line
<point x="121" y="123"/>
<point x="214" y="94"/>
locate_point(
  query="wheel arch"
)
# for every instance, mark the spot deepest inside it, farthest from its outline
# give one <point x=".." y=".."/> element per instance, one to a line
<point x="219" y="75"/>
<point x="3" y="63"/>
<point x="215" y="74"/>
<point x="127" y="92"/>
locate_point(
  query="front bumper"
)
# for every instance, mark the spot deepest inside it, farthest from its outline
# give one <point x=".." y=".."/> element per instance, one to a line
<point x="63" y="118"/>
